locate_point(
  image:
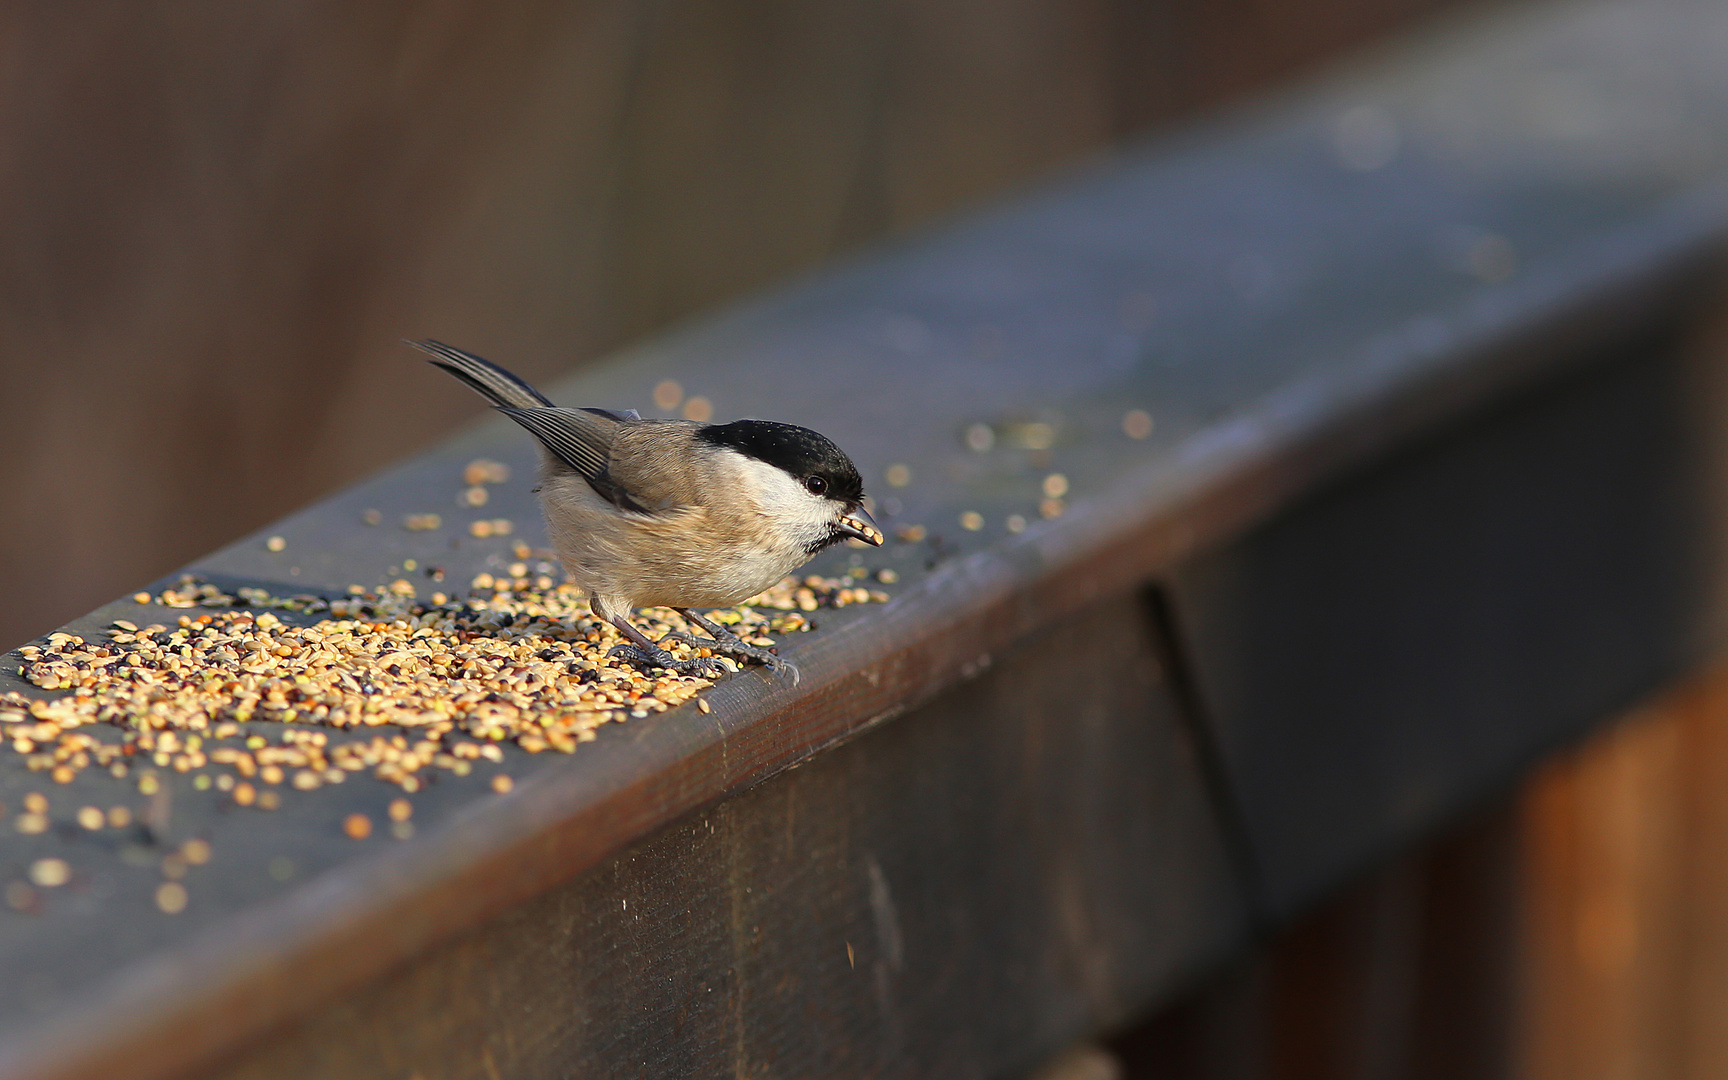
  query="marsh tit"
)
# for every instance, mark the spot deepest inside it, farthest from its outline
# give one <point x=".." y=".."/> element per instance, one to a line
<point x="675" y="513"/>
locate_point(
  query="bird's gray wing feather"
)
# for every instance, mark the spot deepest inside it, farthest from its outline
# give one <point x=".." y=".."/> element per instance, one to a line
<point x="581" y="439"/>
<point x="661" y="464"/>
<point x="490" y="381"/>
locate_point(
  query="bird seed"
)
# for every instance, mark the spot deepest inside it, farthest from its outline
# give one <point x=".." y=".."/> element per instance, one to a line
<point x="374" y="681"/>
<point x="50" y="873"/>
<point x="171" y="897"/>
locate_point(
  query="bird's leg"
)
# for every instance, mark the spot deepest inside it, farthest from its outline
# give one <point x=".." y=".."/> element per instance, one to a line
<point x="645" y="654"/>
<point x="726" y="643"/>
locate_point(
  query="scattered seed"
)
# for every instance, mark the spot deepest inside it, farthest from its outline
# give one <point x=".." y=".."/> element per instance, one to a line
<point x="485" y="471"/>
<point x="898" y="475"/>
<point x="474" y="496"/>
<point x="372" y="517"/>
<point x="275" y="543"/>
<point x="1055" y="486"/>
<point x="50" y="873"/>
<point x="887" y="576"/>
<point x="381" y="684"/>
<point x="141" y="598"/>
<point x="357" y="826"/>
<point x="667" y="395"/>
<point x="1035" y="435"/>
<point x="1052" y="508"/>
<point x="196" y="852"/>
<point x="502" y="783"/>
<point x="971" y="521"/>
<point x="401" y="810"/>
<point x="171" y="897"/>
<point x="422" y="522"/>
<point x="91" y="817"/>
<point x="702" y="704"/>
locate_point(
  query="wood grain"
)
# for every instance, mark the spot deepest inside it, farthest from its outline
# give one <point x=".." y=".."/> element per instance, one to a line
<point x="958" y="893"/>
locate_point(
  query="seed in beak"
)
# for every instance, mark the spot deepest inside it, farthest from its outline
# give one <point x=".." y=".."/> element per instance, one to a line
<point x="859" y="525"/>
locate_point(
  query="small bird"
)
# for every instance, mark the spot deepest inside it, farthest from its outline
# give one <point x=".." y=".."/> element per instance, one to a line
<point x="675" y="513"/>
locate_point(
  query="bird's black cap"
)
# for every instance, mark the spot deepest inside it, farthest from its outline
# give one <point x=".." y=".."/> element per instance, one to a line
<point x="799" y="451"/>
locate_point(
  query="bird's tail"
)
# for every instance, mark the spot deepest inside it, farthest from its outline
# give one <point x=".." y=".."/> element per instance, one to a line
<point x="491" y="381"/>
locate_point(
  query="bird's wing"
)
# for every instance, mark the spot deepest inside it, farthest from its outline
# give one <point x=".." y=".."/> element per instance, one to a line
<point x="581" y="439"/>
<point x="492" y="382"/>
<point x="660" y="464"/>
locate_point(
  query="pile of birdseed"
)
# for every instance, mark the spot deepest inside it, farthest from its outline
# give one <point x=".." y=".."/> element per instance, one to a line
<point x="252" y="704"/>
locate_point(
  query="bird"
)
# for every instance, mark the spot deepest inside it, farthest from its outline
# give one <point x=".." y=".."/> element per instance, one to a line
<point x="676" y="513"/>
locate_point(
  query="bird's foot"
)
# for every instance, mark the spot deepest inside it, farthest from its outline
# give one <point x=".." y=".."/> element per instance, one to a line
<point x="729" y="645"/>
<point x="704" y="667"/>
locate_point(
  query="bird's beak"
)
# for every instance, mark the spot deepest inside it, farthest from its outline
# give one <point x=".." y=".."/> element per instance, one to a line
<point x="859" y="525"/>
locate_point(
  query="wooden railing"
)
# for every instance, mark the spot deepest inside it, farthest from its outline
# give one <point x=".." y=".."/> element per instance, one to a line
<point x="1360" y="455"/>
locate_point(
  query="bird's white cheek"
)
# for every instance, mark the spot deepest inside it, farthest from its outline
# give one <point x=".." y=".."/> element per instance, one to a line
<point x="792" y="512"/>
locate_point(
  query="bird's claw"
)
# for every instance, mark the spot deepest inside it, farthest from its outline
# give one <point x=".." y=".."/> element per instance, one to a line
<point x="735" y="649"/>
<point x="705" y="667"/>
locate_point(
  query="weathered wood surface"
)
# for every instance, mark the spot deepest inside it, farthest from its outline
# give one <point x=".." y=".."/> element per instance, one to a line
<point x="1410" y="972"/>
<point x="1314" y="338"/>
<point x="1623" y="943"/>
<point x="830" y="923"/>
<point x="1435" y="624"/>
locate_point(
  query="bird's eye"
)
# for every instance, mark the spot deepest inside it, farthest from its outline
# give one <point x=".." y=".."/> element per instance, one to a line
<point x="815" y="485"/>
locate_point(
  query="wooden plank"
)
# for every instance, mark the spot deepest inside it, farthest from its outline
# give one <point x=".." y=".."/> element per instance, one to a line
<point x="1409" y="972"/>
<point x="1425" y="629"/>
<point x="1624" y="947"/>
<point x="952" y="894"/>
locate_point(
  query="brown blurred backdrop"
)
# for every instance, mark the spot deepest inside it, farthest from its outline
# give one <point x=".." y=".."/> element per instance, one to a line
<point x="217" y="220"/>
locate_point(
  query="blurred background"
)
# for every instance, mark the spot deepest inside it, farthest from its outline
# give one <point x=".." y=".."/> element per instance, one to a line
<point x="217" y="221"/>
